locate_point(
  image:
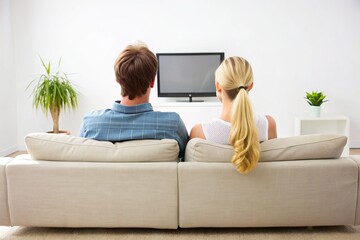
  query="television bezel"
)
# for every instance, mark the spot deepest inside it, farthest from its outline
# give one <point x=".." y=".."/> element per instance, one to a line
<point x="186" y="94"/>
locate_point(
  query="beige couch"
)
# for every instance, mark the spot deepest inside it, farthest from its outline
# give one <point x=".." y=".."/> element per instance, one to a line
<point x="68" y="181"/>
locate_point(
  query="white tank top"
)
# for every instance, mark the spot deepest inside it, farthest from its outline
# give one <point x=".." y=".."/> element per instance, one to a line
<point x="218" y="130"/>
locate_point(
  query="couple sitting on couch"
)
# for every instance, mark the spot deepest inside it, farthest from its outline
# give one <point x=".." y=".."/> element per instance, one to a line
<point x="133" y="117"/>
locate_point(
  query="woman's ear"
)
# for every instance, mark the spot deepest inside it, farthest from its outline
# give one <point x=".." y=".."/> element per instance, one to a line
<point x="218" y="91"/>
<point x="250" y="87"/>
<point x="218" y="87"/>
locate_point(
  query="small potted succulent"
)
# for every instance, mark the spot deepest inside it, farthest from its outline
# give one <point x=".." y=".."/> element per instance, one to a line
<point x="315" y="100"/>
<point x="53" y="93"/>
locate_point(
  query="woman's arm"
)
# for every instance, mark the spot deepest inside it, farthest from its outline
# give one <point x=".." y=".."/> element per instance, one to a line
<point x="197" y="132"/>
<point x="272" y="132"/>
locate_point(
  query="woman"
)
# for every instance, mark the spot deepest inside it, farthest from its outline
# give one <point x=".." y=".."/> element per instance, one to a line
<point x="237" y="124"/>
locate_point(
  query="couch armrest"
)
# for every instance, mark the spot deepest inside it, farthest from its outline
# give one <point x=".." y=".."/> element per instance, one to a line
<point x="356" y="158"/>
<point x="4" y="205"/>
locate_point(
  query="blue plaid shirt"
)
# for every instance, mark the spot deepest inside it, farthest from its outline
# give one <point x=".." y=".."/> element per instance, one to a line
<point x="123" y="123"/>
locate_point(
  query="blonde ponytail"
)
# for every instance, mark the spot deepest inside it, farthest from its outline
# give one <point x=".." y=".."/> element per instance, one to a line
<point x="235" y="76"/>
<point x="243" y="134"/>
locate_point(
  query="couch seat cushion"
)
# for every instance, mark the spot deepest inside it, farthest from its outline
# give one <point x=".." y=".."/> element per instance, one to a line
<point x="58" y="147"/>
<point x="312" y="146"/>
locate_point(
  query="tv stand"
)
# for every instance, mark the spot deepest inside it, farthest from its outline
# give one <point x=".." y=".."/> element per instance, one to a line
<point x="191" y="112"/>
<point x="190" y="100"/>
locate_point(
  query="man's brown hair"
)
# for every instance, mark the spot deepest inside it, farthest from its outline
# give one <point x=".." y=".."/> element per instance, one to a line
<point x="135" y="69"/>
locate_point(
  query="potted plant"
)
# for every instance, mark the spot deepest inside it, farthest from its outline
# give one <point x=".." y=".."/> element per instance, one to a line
<point x="315" y="100"/>
<point x="53" y="93"/>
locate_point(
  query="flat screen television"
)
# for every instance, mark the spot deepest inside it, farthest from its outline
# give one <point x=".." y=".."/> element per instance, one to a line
<point x="187" y="74"/>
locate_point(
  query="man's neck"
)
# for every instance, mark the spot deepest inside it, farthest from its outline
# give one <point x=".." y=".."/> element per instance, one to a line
<point x="136" y="101"/>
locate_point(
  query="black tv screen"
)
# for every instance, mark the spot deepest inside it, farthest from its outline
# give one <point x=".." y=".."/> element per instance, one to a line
<point x="187" y="74"/>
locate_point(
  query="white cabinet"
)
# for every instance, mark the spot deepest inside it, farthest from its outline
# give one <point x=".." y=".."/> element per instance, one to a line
<point x="191" y="112"/>
<point x="333" y="125"/>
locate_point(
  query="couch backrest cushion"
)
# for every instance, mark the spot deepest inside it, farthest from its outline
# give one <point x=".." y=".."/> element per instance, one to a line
<point x="59" y="147"/>
<point x="313" y="146"/>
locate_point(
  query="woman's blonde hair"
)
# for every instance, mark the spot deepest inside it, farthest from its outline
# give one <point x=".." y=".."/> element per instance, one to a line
<point x="235" y="76"/>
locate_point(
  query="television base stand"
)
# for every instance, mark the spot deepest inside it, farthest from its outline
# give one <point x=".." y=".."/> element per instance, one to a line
<point x="190" y="100"/>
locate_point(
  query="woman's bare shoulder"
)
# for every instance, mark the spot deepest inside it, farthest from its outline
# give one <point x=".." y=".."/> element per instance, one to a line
<point x="197" y="132"/>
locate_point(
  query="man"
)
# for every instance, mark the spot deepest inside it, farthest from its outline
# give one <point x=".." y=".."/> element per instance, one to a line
<point x="133" y="117"/>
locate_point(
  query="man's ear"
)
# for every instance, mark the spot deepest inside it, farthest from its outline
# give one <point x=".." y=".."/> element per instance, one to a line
<point x="152" y="83"/>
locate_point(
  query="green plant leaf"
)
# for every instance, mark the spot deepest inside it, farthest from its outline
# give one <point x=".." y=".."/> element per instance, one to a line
<point x="315" y="98"/>
<point x="53" y="90"/>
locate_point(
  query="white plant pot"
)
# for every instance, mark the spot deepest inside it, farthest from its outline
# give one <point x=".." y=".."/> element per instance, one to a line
<point x="315" y="111"/>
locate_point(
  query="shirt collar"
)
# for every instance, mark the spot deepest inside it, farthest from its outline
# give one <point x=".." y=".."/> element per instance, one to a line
<point x="145" y="107"/>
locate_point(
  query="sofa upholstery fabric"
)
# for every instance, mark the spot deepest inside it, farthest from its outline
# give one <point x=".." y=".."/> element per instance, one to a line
<point x="4" y="209"/>
<point x="80" y="194"/>
<point x="313" y="146"/>
<point x="284" y="193"/>
<point x="100" y="184"/>
<point x="356" y="158"/>
<point x="58" y="147"/>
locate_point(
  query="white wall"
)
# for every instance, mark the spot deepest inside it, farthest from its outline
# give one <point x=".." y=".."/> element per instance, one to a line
<point x="8" y="128"/>
<point x="293" y="46"/>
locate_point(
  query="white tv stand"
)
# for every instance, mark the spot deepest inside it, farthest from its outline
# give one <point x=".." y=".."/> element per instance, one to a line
<point x="191" y="112"/>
